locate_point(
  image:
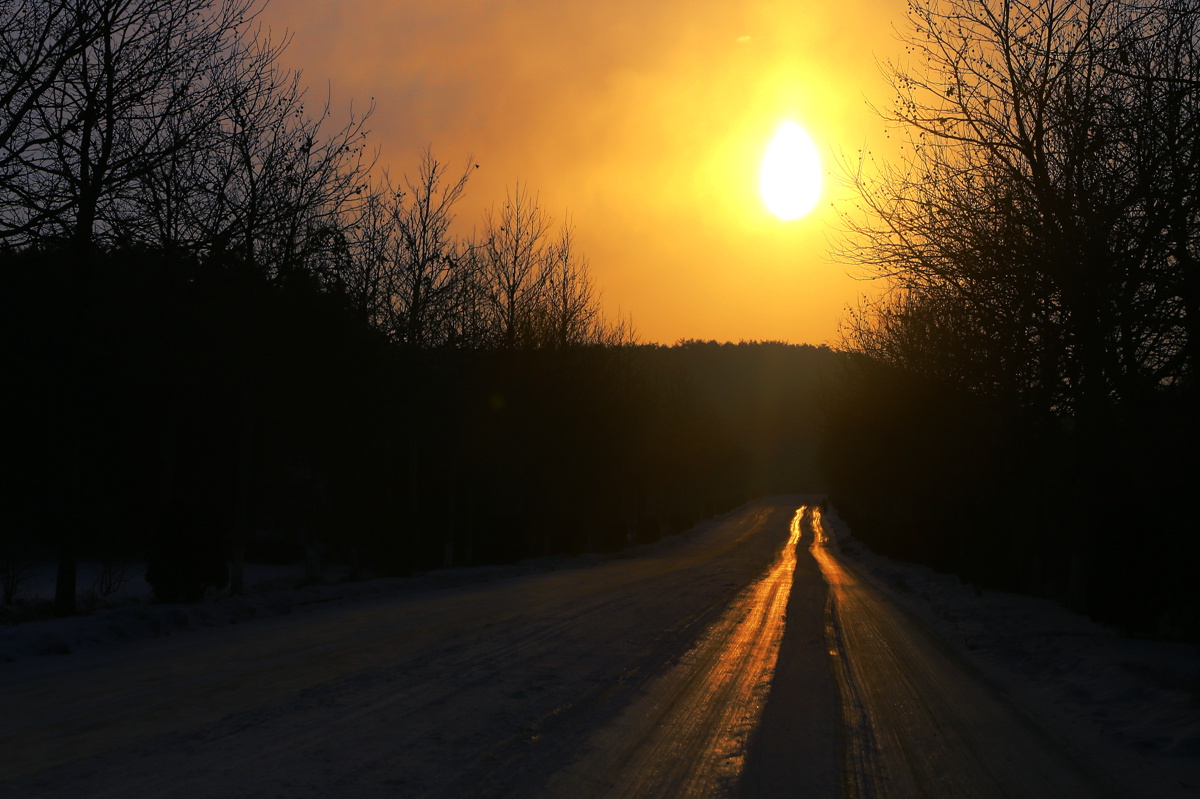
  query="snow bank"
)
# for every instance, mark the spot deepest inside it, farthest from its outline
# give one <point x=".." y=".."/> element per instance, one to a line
<point x="27" y="628"/>
<point x="1132" y="705"/>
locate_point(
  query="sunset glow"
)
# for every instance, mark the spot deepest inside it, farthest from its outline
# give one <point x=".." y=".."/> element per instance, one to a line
<point x="646" y="124"/>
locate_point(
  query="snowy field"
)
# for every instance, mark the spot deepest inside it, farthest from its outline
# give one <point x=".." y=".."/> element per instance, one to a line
<point x="1132" y="705"/>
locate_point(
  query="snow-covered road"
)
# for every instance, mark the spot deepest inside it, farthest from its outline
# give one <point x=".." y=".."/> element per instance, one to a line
<point x="918" y="721"/>
<point x="483" y="690"/>
<point x="688" y="732"/>
<point x="746" y="658"/>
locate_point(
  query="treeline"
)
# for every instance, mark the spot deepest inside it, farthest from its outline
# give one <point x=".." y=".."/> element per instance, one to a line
<point x="232" y="413"/>
<point x="768" y="399"/>
<point x="1024" y="408"/>
<point x="272" y="411"/>
<point x="228" y="335"/>
<point x="173" y="126"/>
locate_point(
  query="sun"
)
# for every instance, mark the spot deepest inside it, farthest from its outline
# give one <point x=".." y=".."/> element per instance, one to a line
<point x="790" y="180"/>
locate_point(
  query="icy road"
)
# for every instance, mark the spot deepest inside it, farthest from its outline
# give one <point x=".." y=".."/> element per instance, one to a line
<point x="744" y="659"/>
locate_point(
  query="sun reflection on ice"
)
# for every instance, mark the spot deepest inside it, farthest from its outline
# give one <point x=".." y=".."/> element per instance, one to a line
<point x="708" y="703"/>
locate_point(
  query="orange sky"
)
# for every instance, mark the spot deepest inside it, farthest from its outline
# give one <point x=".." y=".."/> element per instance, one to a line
<point x="644" y="121"/>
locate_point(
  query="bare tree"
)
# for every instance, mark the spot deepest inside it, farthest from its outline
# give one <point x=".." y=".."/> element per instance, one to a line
<point x="269" y="185"/>
<point x="1030" y="201"/>
<point x="411" y="271"/>
<point x="568" y="314"/>
<point x="1163" y="66"/>
<point x="328" y="181"/>
<point x="514" y="256"/>
<point x="274" y="194"/>
<point x="215" y="197"/>
<point x="37" y="43"/>
<point x="115" y="111"/>
<point x="535" y="290"/>
<point x="110" y="93"/>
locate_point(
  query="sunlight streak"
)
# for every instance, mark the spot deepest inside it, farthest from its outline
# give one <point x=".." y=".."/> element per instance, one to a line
<point x="710" y="702"/>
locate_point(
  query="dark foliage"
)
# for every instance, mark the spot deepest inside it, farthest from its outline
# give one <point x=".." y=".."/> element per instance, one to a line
<point x="1101" y="518"/>
<point x="223" y="406"/>
<point x="1025" y="409"/>
<point x="189" y="556"/>
<point x="224" y="334"/>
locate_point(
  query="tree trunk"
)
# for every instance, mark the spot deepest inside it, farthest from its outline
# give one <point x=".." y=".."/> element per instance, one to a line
<point x="81" y="371"/>
<point x="241" y="509"/>
<point x="65" y="579"/>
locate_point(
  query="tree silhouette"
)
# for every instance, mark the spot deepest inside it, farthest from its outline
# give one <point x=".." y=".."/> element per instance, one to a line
<point x="38" y="43"/>
<point x="132" y="85"/>
<point x="412" y="275"/>
<point x="228" y="340"/>
<point x="163" y="123"/>
<point x="569" y="313"/>
<point x="513" y="260"/>
<point x="1030" y="205"/>
<point x="1036" y="239"/>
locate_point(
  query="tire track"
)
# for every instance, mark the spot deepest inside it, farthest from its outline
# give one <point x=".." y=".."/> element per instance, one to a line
<point x="483" y="691"/>
<point x="686" y="734"/>
<point x="920" y="723"/>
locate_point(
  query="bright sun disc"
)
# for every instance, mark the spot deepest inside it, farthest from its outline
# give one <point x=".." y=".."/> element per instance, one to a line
<point x="790" y="180"/>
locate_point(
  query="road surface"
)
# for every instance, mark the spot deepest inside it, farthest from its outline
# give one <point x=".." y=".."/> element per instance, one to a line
<point x="918" y="721"/>
<point x="734" y="661"/>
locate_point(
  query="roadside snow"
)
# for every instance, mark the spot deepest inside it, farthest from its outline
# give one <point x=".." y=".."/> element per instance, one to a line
<point x="130" y="614"/>
<point x="1130" y="706"/>
<point x="27" y="628"/>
